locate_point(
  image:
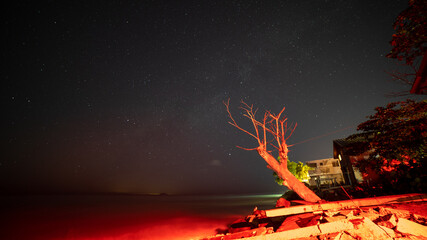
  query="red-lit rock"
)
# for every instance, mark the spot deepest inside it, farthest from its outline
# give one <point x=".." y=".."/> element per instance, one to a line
<point x="288" y="224"/>
<point x="339" y="220"/>
<point x="369" y="213"/>
<point x="282" y="203"/>
<point x="342" y="236"/>
<point x="397" y="213"/>
<point x="242" y="234"/>
<point x="388" y="220"/>
<point x="409" y="227"/>
<point x="367" y="229"/>
<point x="335" y="218"/>
<point x="298" y="221"/>
<point x="239" y="226"/>
<point x="388" y="231"/>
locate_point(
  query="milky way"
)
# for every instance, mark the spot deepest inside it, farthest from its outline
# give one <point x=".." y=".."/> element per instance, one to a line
<point x="114" y="96"/>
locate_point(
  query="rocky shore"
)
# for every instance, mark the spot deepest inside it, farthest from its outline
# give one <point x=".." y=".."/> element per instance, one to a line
<point x="387" y="217"/>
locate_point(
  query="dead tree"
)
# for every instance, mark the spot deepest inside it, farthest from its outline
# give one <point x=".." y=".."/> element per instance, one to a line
<point x="275" y="126"/>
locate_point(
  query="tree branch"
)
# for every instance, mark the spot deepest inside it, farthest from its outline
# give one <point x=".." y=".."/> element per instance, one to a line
<point x="234" y="123"/>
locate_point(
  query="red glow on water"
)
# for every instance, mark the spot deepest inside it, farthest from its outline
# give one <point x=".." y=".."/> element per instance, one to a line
<point x="108" y="226"/>
<point x="94" y="217"/>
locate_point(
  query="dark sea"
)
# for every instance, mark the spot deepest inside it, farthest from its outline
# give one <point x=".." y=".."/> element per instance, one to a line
<point x="96" y="217"/>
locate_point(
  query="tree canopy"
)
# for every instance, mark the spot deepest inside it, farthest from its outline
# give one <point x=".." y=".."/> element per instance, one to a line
<point x="397" y="137"/>
<point x="409" y="41"/>
<point x="298" y="169"/>
<point x="409" y="44"/>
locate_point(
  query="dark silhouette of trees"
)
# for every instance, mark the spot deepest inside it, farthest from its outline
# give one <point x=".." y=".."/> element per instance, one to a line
<point x="275" y="126"/>
<point x="409" y="44"/>
<point x="396" y="135"/>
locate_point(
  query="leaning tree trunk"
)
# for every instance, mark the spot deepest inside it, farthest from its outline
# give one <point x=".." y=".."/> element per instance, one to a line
<point x="420" y="84"/>
<point x="278" y="128"/>
<point x="289" y="180"/>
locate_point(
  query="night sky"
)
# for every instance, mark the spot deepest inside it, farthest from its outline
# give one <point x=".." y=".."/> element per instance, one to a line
<point x="122" y="96"/>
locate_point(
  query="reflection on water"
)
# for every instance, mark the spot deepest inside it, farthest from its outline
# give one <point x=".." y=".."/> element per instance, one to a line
<point x="123" y="216"/>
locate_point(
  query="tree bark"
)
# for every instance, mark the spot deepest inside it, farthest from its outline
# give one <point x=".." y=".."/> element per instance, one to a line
<point x="278" y="127"/>
<point x="420" y="84"/>
<point x="289" y="180"/>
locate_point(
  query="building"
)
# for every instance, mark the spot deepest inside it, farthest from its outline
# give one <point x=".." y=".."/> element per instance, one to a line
<point x="325" y="172"/>
<point x="348" y="152"/>
<point x="340" y="169"/>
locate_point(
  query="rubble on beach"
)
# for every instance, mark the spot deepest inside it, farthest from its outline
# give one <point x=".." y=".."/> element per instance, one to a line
<point x="387" y="217"/>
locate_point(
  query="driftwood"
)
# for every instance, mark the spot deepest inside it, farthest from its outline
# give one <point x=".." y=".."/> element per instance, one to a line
<point x="369" y="218"/>
<point x="356" y="227"/>
<point x="337" y="205"/>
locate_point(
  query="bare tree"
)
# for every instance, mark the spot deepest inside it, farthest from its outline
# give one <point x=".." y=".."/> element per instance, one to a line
<point x="275" y="126"/>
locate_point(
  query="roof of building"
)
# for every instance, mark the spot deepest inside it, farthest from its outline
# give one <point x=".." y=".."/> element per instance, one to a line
<point x="344" y="142"/>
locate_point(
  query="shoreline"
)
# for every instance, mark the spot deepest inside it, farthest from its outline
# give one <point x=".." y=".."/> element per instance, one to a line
<point x="94" y="217"/>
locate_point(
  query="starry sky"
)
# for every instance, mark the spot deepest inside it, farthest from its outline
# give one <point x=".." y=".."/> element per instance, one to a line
<point x="126" y="96"/>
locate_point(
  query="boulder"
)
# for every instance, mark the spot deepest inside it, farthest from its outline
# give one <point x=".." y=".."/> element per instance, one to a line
<point x="282" y="203"/>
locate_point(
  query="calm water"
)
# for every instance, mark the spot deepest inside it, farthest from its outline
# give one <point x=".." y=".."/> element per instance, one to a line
<point x="123" y="217"/>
